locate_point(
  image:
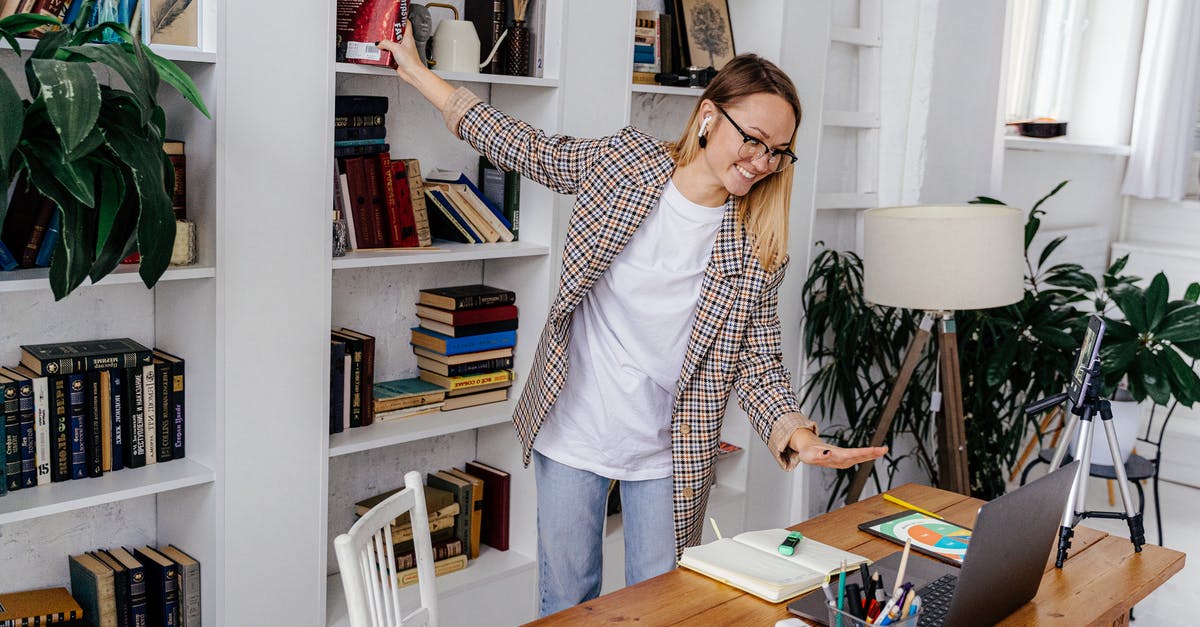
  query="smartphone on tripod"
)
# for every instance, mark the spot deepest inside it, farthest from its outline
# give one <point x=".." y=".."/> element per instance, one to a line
<point x="1089" y="352"/>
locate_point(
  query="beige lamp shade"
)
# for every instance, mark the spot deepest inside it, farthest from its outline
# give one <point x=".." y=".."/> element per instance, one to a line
<point x="944" y="257"/>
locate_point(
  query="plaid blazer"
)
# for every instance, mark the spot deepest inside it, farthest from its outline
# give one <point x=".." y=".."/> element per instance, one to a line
<point x="735" y="341"/>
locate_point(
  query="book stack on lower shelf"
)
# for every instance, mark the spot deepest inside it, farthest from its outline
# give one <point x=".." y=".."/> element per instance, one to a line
<point x="144" y="586"/>
<point x="351" y="380"/>
<point x="467" y="508"/>
<point x="74" y="410"/>
<point x="465" y="342"/>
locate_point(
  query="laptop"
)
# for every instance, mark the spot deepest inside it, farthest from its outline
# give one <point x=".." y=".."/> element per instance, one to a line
<point x="1010" y="545"/>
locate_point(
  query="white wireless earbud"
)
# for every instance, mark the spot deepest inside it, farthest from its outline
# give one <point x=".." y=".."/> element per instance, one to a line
<point x="704" y="125"/>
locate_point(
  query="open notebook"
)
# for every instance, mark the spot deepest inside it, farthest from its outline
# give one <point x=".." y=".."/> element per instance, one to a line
<point x="751" y="561"/>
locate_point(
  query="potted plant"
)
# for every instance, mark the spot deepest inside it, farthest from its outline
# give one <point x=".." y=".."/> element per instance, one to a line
<point x="1143" y="356"/>
<point x="95" y="150"/>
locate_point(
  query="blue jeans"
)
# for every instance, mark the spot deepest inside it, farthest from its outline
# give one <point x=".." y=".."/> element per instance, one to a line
<point x="570" y="520"/>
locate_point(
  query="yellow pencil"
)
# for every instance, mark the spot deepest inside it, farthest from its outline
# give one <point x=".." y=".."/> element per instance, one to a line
<point x="891" y="499"/>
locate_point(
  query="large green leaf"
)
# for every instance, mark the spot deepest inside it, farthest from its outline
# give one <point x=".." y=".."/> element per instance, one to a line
<point x="1156" y="379"/>
<point x="1048" y="196"/>
<point x="86" y="35"/>
<point x="1049" y="249"/>
<point x="1156" y="301"/>
<point x="142" y="84"/>
<point x="72" y="97"/>
<point x="77" y="178"/>
<point x="178" y="79"/>
<point x="21" y="23"/>
<point x="1193" y="292"/>
<point x="73" y="256"/>
<point x="1185" y="385"/>
<point x="118" y="222"/>
<point x="1132" y="304"/>
<point x="1182" y="324"/>
<point x="12" y="119"/>
<point x="142" y="153"/>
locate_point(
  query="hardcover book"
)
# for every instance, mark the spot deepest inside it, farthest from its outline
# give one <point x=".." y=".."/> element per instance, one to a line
<point x="372" y="21"/>
<point x="165" y="422"/>
<point x="458" y="178"/>
<point x="459" y="370"/>
<point x="120" y="585"/>
<point x="403" y="393"/>
<point x="440" y="567"/>
<point x="496" y="486"/>
<point x="175" y="410"/>
<point x="467" y="382"/>
<point x="138" y="610"/>
<point x="464" y="358"/>
<point x="442" y="549"/>
<point x="476" y="398"/>
<point x="368" y="372"/>
<point x="416" y="189"/>
<point x="34" y="607"/>
<point x="404" y="533"/>
<point x="60" y="429"/>
<point x="93" y="424"/>
<point x="69" y="357"/>
<point x="409" y="412"/>
<point x="445" y="221"/>
<point x="468" y="316"/>
<point x="337" y="372"/>
<point x="12" y="434"/>
<point x="43" y="409"/>
<point x="94" y="586"/>
<point x="189" y="585"/>
<point x="461" y="489"/>
<point x="354" y="350"/>
<point x="77" y="416"/>
<point x="751" y="562"/>
<point x="162" y="587"/>
<point x="476" y="513"/>
<point x="464" y="330"/>
<point x="135" y="425"/>
<point x="447" y="345"/>
<point x="460" y="297"/>
<point x="22" y="386"/>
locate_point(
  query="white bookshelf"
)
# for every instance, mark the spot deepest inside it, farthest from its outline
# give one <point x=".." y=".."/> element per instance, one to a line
<point x="420" y="427"/>
<point x="38" y="278"/>
<point x="691" y="92"/>
<point x="68" y="496"/>
<point x="440" y="252"/>
<point x="455" y="77"/>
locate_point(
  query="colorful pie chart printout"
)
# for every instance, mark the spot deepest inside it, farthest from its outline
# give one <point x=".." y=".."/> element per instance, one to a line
<point x="938" y="536"/>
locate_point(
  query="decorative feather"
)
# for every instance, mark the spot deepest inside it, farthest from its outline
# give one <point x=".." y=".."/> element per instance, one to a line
<point x="170" y="11"/>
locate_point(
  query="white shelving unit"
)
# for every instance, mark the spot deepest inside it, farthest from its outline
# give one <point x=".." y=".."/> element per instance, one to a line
<point x="420" y="427"/>
<point x="442" y="252"/>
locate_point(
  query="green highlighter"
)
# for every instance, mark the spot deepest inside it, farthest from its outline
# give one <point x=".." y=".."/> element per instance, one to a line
<point x="788" y="546"/>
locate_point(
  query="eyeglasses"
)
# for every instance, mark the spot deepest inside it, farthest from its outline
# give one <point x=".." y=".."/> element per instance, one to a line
<point x="754" y="149"/>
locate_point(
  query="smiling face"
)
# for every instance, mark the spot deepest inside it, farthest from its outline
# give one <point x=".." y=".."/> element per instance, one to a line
<point x="764" y="117"/>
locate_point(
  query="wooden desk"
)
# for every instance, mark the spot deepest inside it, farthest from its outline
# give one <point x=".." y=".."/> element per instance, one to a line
<point x="1100" y="582"/>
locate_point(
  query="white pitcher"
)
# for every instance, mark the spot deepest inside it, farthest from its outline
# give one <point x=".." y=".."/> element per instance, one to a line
<point x="456" y="44"/>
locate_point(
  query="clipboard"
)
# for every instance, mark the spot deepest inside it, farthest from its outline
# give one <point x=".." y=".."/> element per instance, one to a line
<point x="942" y="540"/>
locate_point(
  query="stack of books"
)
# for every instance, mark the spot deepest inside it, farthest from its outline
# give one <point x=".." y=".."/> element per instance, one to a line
<point x="404" y="398"/>
<point x="73" y="410"/>
<point x="465" y="342"/>
<point x="142" y="586"/>
<point x="468" y="507"/>
<point x="351" y="379"/>
<point x="382" y="199"/>
<point x="460" y="212"/>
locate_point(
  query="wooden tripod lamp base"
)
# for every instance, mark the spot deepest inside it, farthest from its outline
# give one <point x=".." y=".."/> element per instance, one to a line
<point x="953" y="472"/>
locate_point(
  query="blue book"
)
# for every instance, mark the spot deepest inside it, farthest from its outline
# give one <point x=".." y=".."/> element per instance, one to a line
<point x="77" y="415"/>
<point x="11" y="423"/>
<point x="28" y="442"/>
<point x="7" y="261"/>
<point x="446" y="209"/>
<point x="359" y="142"/>
<point x="49" y="241"/>
<point x="116" y="382"/>
<point x="446" y="176"/>
<point x="73" y="12"/>
<point x="446" y="345"/>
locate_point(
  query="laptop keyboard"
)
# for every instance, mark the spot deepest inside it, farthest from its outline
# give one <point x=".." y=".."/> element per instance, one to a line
<point x="935" y="600"/>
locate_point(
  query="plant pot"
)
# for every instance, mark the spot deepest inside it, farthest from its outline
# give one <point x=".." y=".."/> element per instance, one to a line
<point x="1127" y="420"/>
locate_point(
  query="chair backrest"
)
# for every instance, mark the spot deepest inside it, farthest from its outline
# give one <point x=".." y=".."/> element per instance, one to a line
<point x="368" y="562"/>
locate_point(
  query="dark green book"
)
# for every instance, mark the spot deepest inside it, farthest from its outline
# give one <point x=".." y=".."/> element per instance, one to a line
<point x="461" y="489"/>
<point x="60" y="429"/>
<point x="71" y="357"/>
<point x="9" y="409"/>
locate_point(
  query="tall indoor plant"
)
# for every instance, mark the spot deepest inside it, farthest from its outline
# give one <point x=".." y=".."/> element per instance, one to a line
<point x="93" y="149"/>
<point x="1008" y="356"/>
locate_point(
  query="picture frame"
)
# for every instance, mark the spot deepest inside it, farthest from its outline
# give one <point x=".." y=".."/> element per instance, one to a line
<point x="172" y="22"/>
<point x="709" y="33"/>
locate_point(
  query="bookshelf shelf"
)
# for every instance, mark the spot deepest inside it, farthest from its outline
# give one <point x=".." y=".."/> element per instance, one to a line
<point x="419" y="428"/>
<point x="670" y="91"/>
<point x="491" y="565"/>
<point x="459" y="77"/>
<point x="441" y="252"/>
<point x="174" y="53"/>
<point x="57" y="498"/>
<point x="38" y="278"/>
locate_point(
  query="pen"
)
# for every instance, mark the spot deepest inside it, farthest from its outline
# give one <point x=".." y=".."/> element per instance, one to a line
<point x="828" y="593"/>
<point x="865" y="573"/>
<point x="903" y="566"/>
<point x="841" y="600"/>
<point x="905" y="504"/>
<point x="880" y="590"/>
<point x="715" y="527"/>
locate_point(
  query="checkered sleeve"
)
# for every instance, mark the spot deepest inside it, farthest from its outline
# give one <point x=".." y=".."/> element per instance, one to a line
<point x="558" y="162"/>
<point x="763" y="384"/>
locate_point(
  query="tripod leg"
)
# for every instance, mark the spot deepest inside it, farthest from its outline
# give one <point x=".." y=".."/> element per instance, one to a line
<point x="1075" y="502"/>
<point x="1137" y="534"/>
<point x="1060" y="452"/>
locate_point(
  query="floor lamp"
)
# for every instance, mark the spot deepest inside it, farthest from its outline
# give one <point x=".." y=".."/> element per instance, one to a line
<point x="939" y="259"/>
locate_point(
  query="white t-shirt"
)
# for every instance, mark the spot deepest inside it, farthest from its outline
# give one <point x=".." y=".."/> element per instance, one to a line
<point x="628" y="339"/>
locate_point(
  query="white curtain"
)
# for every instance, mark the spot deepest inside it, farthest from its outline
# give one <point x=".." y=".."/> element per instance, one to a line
<point x="1165" y="110"/>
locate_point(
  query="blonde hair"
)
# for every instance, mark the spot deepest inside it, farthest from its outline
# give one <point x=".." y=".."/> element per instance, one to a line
<point x="763" y="211"/>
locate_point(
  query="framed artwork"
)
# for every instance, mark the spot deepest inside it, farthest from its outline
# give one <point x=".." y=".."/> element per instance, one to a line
<point x="173" y="22"/>
<point x="709" y="34"/>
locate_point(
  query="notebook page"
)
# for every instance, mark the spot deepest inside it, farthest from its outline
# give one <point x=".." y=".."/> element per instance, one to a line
<point x="811" y="554"/>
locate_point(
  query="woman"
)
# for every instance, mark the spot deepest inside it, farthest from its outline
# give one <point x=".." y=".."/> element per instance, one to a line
<point x="667" y="301"/>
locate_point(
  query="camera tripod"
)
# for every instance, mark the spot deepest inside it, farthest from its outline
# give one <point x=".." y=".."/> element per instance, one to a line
<point x="1082" y="414"/>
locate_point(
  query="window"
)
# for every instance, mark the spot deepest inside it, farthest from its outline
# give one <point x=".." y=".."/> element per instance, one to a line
<point x="1043" y="57"/>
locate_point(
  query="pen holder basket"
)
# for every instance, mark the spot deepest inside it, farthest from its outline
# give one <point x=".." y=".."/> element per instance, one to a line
<point x="849" y="620"/>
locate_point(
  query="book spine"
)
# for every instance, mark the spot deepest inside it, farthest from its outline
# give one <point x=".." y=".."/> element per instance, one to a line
<point x="93" y="433"/>
<point x="356" y="104"/>
<point x="390" y="208"/>
<point x="356" y="382"/>
<point x="42" y="409"/>
<point x="377" y="210"/>
<point x="347" y="133"/>
<point x="7" y="261"/>
<point x="60" y="433"/>
<point x="178" y="431"/>
<point x="359" y="151"/>
<point x="139" y="611"/>
<point x="443" y="224"/>
<point x="512" y="202"/>
<point x="416" y="189"/>
<point x="119" y="417"/>
<point x="166" y="421"/>
<point x="398" y="174"/>
<point x="12" y="436"/>
<point x="345" y="143"/>
<point x="45" y="211"/>
<point x="368" y="382"/>
<point x="106" y="408"/>
<point x="459" y="370"/>
<point x="150" y="413"/>
<point x="135" y="427"/>
<point x="360" y="121"/>
<point x="28" y="437"/>
<point x="49" y="241"/>
<point x="77" y="408"/>
<point x="337" y="354"/>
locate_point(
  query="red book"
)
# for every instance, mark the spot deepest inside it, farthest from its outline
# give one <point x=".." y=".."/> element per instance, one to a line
<point x="360" y="202"/>
<point x="389" y="209"/>
<point x="496" y="485"/>
<point x="375" y="20"/>
<point x="468" y="316"/>
<point x="404" y="205"/>
<point x="377" y="205"/>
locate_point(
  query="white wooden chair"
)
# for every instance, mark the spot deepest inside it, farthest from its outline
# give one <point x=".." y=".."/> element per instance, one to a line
<point x="368" y="562"/>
